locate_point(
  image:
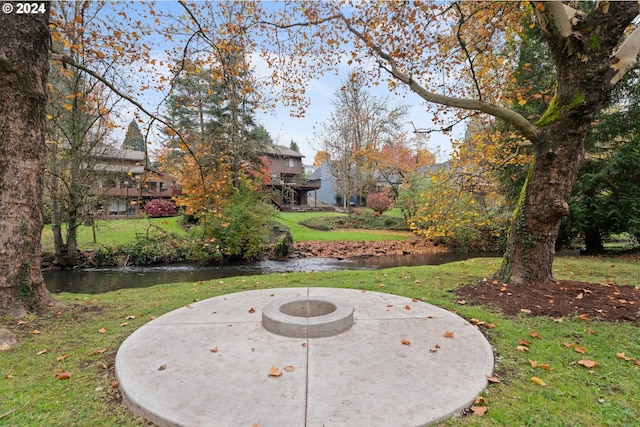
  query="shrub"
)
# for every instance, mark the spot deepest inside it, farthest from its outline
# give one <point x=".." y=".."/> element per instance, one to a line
<point x="379" y="202"/>
<point x="159" y="208"/>
<point x="240" y="230"/>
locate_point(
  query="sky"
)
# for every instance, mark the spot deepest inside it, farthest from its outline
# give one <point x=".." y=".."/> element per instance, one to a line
<point x="284" y="128"/>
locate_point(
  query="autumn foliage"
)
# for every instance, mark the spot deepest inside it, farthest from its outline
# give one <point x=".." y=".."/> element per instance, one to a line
<point x="159" y="208"/>
<point x="379" y="202"/>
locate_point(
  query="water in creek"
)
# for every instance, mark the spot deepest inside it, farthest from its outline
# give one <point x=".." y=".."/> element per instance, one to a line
<point x="99" y="280"/>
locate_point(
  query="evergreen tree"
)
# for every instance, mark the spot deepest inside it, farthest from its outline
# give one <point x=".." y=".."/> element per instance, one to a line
<point x="294" y="146"/>
<point x="133" y="139"/>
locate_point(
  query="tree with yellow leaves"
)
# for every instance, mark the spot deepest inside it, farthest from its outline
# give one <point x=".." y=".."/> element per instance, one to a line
<point x="452" y="56"/>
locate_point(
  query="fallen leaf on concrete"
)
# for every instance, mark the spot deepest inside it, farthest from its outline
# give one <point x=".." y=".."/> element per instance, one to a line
<point x="162" y="367"/>
<point x="274" y="372"/>
<point x="289" y="368"/>
<point x="448" y="334"/>
<point x="405" y="342"/>
<point x="252" y="310"/>
<point x="214" y="349"/>
<point x="493" y="379"/>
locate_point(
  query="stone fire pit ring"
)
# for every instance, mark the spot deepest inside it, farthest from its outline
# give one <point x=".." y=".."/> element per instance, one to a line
<point x="301" y="317"/>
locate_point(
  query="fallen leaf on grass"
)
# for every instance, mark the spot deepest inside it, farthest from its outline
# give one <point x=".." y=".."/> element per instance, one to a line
<point x="535" y="364"/>
<point x="122" y="325"/>
<point x="41" y="352"/>
<point x="131" y="317"/>
<point x="35" y="332"/>
<point x="525" y="310"/>
<point x="522" y="348"/>
<point x="61" y="358"/>
<point x="114" y="384"/>
<point x="538" y="381"/>
<point x="274" y="372"/>
<point x="624" y="356"/>
<point x="64" y="375"/>
<point x="579" y="349"/>
<point x="103" y="330"/>
<point x="534" y="335"/>
<point x="524" y="342"/>
<point x="479" y="410"/>
<point x="588" y="363"/>
<point x="102" y="350"/>
<point x="493" y="379"/>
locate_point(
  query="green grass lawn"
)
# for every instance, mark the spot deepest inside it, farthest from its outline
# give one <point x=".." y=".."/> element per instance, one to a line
<point x="301" y="233"/>
<point x="125" y="230"/>
<point x="116" y="231"/>
<point x="83" y="336"/>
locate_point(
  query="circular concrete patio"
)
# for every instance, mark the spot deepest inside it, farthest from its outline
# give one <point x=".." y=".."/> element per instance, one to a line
<point x="401" y="363"/>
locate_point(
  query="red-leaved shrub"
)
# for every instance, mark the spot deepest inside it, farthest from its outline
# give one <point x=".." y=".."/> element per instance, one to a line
<point x="159" y="208"/>
<point x="379" y="202"/>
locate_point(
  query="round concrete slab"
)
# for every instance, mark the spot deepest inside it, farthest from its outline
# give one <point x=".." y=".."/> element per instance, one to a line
<point x="402" y="363"/>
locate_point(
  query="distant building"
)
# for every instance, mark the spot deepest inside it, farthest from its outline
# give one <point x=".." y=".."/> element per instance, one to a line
<point x="124" y="184"/>
<point x="328" y="188"/>
<point x="287" y="182"/>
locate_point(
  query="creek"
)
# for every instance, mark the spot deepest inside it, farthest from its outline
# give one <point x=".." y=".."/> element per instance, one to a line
<point x="99" y="280"/>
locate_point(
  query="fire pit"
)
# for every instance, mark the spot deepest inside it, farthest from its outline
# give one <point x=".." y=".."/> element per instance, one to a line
<point x="301" y="317"/>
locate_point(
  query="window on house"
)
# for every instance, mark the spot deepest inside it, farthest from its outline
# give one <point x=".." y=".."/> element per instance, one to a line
<point x="292" y="162"/>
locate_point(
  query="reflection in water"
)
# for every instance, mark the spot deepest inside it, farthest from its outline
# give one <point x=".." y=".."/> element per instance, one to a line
<point x="99" y="280"/>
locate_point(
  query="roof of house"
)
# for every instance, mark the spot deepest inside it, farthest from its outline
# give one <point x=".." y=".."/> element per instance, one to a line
<point x="281" y="151"/>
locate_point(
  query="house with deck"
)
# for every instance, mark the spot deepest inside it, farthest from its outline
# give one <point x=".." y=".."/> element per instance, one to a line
<point x="124" y="183"/>
<point x="288" y="185"/>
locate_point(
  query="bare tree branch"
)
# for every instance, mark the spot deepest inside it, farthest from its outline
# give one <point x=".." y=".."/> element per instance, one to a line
<point x="529" y="130"/>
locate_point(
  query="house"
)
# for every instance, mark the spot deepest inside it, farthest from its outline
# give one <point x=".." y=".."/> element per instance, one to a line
<point x="286" y="181"/>
<point x="328" y="188"/>
<point x="124" y="184"/>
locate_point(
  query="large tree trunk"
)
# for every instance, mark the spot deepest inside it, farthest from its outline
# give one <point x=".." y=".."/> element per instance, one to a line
<point x="24" y="65"/>
<point x="586" y="74"/>
<point x="536" y="222"/>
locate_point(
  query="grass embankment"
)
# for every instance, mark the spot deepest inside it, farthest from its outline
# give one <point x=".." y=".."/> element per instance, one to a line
<point x="84" y="335"/>
<point x="301" y="233"/>
<point x="116" y="232"/>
